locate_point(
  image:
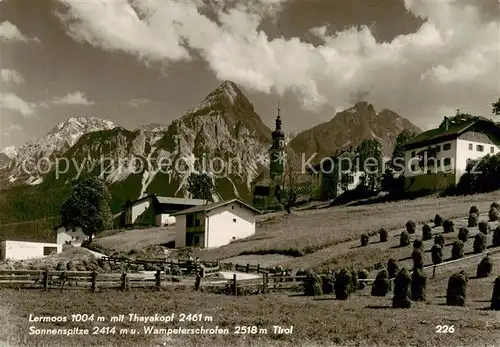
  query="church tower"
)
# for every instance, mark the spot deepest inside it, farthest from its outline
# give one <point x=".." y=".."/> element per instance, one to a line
<point x="277" y="150"/>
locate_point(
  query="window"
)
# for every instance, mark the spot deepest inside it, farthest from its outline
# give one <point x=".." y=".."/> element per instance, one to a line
<point x="234" y="220"/>
<point x="470" y="146"/>
<point x="447" y="161"/>
<point x="413" y="154"/>
<point x="232" y="207"/>
<point x="446" y="147"/>
<point x="480" y="148"/>
<point x="49" y="250"/>
<point x="438" y="148"/>
<point x="413" y="167"/>
<point x="492" y="149"/>
<point x="429" y="172"/>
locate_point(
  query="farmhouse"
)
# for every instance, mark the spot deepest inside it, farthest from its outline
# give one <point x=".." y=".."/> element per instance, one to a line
<point x="71" y="236"/>
<point x="438" y="158"/>
<point x="215" y="224"/>
<point x="21" y="250"/>
<point x="156" y="210"/>
<point x="335" y="175"/>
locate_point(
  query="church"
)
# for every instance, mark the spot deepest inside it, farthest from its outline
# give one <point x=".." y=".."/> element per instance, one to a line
<point x="266" y="188"/>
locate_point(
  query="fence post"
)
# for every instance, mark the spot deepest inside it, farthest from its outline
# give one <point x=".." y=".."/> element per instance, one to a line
<point x="248" y="268"/>
<point x="235" y="285"/>
<point x="264" y="282"/>
<point x="46" y="280"/>
<point x="94" y="285"/>
<point x="258" y="268"/>
<point x="124" y="285"/>
<point x="158" y="279"/>
<point x="434" y="271"/>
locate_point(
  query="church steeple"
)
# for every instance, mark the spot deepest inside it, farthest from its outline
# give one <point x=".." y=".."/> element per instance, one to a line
<point x="277" y="150"/>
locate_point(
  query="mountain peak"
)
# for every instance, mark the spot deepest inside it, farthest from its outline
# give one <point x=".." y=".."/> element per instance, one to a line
<point x="83" y="123"/>
<point x="10" y="151"/>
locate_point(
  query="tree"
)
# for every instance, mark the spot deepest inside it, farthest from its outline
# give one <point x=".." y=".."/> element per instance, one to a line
<point x="398" y="151"/>
<point x="496" y="107"/>
<point x="88" y="207"/>
<point x="201" y="186"/>
<point x="292" y="181"/>
<point x="370" y="159"/>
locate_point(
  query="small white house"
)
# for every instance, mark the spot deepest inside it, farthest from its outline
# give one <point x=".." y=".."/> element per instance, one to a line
<point x="20" y="250"/>
<point x="437" y="158"/>
<point x="71" y="236"/>
<point x="215" y="224"/>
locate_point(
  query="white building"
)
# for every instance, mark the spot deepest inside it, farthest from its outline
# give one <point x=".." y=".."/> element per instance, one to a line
<point x="71" y="236"/>
<point x="438" y="158"/>
<point x="156" y="210"/>
<point x="20" y="250"/>
<point x="215" y="224"/>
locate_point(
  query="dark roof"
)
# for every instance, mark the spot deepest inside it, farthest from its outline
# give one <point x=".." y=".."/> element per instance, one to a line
<point x="171" y="200"/>
<point x="213" y="206"/>
<point x="441" y="134"/>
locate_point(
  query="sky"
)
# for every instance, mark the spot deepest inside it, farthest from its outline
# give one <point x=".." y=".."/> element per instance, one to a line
<point x="139" y="62"/>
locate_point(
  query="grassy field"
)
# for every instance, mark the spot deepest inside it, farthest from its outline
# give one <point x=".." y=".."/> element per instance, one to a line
<point x="362" y="320"/>
<point x="136" y="239"/>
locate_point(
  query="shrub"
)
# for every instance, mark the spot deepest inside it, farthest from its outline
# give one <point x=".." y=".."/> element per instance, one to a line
<point x="457" y="287"/>
<point x="484" y="267"/>
<point x="418" y="244"/>
<point x="474" y="209"/>
<point x="438" y="220"/>
<point x="463" y="234"/>
<point x="437" y="254"/>
<point x="495" y="205"/>
<point x="418" y="284"/>
<point x="402" y="289"/>
<point x="418" y="258"/>
<point x="448" y="226"/>
<point x="484" y="227"/>
<point x="493" y="214"/>
<point x="411" y="227"/>
<point x="344" y="284"/>
<point x="457" y="251"/>
<point x="362" y="275"/>
<point x="473" y="220"/>
<point x="365" y="239"/>
<point x="61" y="266"/>
<point x="495" y="297"/>
<point x="381" y="284"/>
<point x="479" y="243"/>
<point x="71" y="266"/>
<point x="392" y="268"/>
<point x="327" y="284"/>
<point x="496" y="237"/>
<point x="384" y="235"/>
<point x="404" y="239"/>
<point x="439" y="240"/>
<point x="313" y="284"/>
<point x="426" y="232"/>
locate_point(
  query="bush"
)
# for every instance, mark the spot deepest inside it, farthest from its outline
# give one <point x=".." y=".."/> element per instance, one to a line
<point x="61" y="266"/>
<point x="362" y="275"/>
<point x="71" y="266"/>
<point x="479" y="243"/>
<point x="381" y="284"/>
<point x="384" y="235"/>
<point x="493" y="214"/>
<point x="402" y="284"/>
<point x="344" y="284"/>
<point x="439" y="240"/>
<point x="438" y="220"/>
<point x="426" y="232"/>
<point x="457" y="251"/>
<point x="484" y="268"/>
<point x="327" y="284"/>
<point x="495" y="297"/>
<point x="418" y="284"/>
<point x="392" y="268"/>
<point x="418" y="258"/>
<point x="448" y="226"/>
<point x="473" y="220"/>
<point x="457" y="287"/>
<point x="495" y="205"/>
<point x="463" y="234"/>
<point x="484" y="227"/>
<point x="411" y="227"/>
<point x="404" y="239"/>
<point x="418" y="244"/>
<point x="365" y="239"/>
<point x="437" y="254"/>
<point x="496" y="237"/>
<point x="474" y="209"/>
<point x="313" y="284"/>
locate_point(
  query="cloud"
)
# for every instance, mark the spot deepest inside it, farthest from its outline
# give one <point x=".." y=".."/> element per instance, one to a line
<point x="451" y="61"/>
<point x="10" y="32"/>
<point x="75" y="98"/>
<point x="15" y="103"/>
<point x="138" y="102"/>
<point x="11" y="76"/>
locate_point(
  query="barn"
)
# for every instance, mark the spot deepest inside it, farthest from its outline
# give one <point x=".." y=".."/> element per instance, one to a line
<point x="21" y="250"/>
